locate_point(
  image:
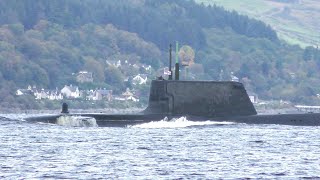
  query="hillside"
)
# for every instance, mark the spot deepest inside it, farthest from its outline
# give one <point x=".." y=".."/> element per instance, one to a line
<point x="45" y="43"/>
<point x="296" y="21"/>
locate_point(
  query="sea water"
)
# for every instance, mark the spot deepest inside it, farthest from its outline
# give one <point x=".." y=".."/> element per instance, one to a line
<point x="168" y="149"/>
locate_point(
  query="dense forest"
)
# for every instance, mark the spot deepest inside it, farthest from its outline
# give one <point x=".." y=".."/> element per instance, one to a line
<point x="43" y="43"/>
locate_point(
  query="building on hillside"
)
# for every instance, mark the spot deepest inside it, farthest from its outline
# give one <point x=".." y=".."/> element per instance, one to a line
<point x="128" y="95"/>
<point x="133" y="98"/>
<point x="89" y="95"/>
<point x="234" y="78"/>
<point x="55" y="95"/>
<point x="29" y="91"/>
<point x="103" y="94"/>
<point x="119" y="98"/>
<point x="42" y="94"/>
<point x="147" y="68"/>
<point x="253" y="98"/>
<point x="47" y="94"/>
<point x="114" y="63"/>
<point x="140" y="79"/>
<point x="33" y="89"/>
<point x="21" y="92"/>
<point x="70" y="92"/>
<point x="305" y="108"/>
<point x="84" y="76"/>
<point x="99" y="94"/>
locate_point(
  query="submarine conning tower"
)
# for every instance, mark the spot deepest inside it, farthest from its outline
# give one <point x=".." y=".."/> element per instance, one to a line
<point x="199" y="98"/>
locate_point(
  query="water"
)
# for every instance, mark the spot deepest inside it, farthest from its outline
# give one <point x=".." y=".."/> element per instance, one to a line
<point x="178" y="149"/>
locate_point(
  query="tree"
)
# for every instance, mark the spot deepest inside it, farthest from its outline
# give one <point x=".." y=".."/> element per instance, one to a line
<point x="114" y="77"/>
<point x="186" y="55"/>
<point x="95" y="67"/>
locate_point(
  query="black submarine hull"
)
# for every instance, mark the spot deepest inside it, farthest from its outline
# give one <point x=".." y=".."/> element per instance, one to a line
<point x="309" y="119"/>
<point x="198" y="101"/>
<point x="118" y="120"/>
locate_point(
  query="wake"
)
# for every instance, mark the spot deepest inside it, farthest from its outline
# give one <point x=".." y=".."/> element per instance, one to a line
<point x="181" y="122"/>
<point x="77" y="121"/>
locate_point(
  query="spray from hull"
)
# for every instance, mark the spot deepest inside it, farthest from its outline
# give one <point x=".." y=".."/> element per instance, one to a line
<point x="77" y="121"/>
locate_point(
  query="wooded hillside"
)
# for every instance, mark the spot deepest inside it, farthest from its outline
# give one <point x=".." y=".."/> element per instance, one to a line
<point x="296" y="21"/>
<point x="44" y="42"/>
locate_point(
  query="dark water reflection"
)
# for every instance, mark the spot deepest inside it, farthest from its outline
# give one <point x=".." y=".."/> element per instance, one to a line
<point x="197" y="152"/>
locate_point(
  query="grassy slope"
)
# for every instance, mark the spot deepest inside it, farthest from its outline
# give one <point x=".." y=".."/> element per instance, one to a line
<point x="295" y="23"/>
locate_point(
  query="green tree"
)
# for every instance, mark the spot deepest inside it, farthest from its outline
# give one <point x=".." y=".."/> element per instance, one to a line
<point x="96" y="67"/>
<point x="114" y="77"/>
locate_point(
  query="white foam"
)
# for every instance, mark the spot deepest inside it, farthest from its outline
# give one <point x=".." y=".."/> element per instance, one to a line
<point x="77" y="121"/>
<point x="181" y="122"/>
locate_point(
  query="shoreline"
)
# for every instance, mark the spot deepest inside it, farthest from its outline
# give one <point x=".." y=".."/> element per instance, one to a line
<point x="57" y="111"/>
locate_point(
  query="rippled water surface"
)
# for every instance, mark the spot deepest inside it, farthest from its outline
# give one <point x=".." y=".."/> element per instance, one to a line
<point x="163" y="150"/>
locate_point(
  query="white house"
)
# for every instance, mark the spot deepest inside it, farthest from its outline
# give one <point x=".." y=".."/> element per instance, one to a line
<point x="55" y="95"/>
<point x="234" y="78"/>
<point x="133" y="98"/>
<point x="114" y="63"/>
<point x="119" y="98"/>
<point x="90" y="95"/>
<point x="20" y="92"/>
<point x="253" y="98"/>
<point x="70" y="91"/>
<point x="28" y="91"/>
<point x="128" y="95"/>
<point x="147" y="67"/>
<point x="140" y="79"/>
<point x="41" y="94"/>
<point x="84" y="76"/>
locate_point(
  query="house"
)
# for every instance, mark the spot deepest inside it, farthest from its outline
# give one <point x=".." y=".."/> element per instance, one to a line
<point x="46" y="94"/>
<point x="166" y="71"/>
<point x="33" y="89"/>
<point x="128" y="95"/>
<point x="100" y="94"/>
<point x="234" y="78"/>
<point x="89" y="94"/>
<point x="114" y="63"/>
<point x="70" y="91"/>
<point x="253" y="97"/>
<point x="147" y="68"/>
<point x="21" y="92"/>
<point x="136" y="66"/>
<point x="119" y="98"/>
<point x="84" y="76"/>
<point x="133" y="98"/>
<point x="54" y="95"/>
<point x="140" y="79"/>
<point x="42" y="94"/>
<point x="103" y="95"/>
<point x="28" y="91"/>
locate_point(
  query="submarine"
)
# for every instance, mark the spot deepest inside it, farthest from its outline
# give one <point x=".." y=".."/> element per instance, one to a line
<point x="222" y="101"/>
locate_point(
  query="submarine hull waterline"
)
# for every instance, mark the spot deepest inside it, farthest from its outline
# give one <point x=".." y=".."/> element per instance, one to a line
<point x="107" y="120"/>
<point x="196" y="100"/>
